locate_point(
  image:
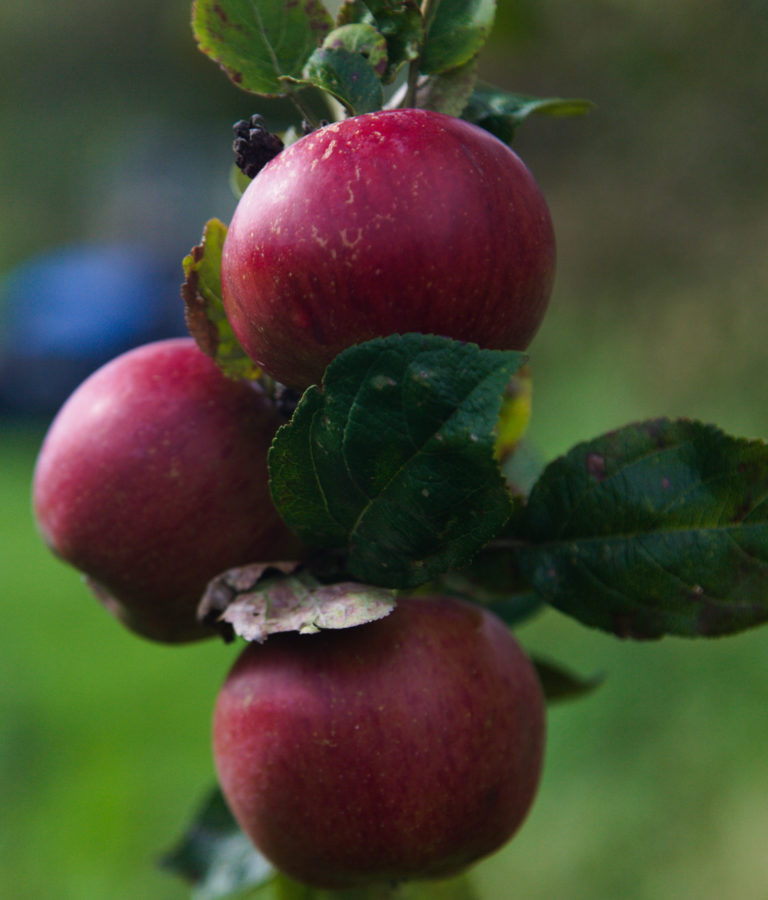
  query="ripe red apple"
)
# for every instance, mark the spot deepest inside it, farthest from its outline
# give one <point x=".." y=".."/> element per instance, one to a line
<point x="406" y="748"/>
<point x="152" y="479"/>
<point x="390" y="222"/>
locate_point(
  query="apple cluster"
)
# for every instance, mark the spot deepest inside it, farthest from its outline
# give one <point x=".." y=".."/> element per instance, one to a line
<point x="405" y="748"/>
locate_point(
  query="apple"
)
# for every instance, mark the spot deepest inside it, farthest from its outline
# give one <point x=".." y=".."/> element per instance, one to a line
<point x="406" y="748"/>
<point x="152" y="479"/>
<point x="390" y="222"/>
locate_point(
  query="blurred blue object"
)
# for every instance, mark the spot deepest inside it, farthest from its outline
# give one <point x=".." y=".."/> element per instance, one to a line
<point x="67" y="312"/>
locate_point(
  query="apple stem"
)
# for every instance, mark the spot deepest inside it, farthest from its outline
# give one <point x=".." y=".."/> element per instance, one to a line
<point x="428" y="10"/>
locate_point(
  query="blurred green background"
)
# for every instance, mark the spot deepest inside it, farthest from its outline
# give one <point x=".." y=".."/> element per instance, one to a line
<point x="113" y="126"/>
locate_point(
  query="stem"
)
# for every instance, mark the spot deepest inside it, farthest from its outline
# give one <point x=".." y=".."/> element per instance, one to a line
<point x="304" y="111"/>
<point x="428" y="10"/>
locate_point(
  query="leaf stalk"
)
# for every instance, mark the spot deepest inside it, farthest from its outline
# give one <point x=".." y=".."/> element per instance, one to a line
<point x="428" y="10"/>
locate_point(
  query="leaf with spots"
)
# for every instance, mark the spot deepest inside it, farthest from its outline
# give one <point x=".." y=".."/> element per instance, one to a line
<point x="204" y="310"/>
<point x="393" y="457"/>
<point x="258" y="600"/>
<point x="257" y="44"/>
<point x="398" y="21"/>
<point x="347" y="75"/>
<point x="656" y="528"/>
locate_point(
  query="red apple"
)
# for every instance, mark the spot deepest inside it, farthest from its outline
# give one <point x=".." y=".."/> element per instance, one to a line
<point x="406" y="748"/>
<point x="152" y="479"/>
<point x="390" y="222"/>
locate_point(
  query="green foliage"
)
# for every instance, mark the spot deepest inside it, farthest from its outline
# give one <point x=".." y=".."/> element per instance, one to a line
<point x="399" y="23"/>
<point x="206" y="320"/>
<point x="448" y="92"/>
<point x="393" y="457"/>
<point x="215" y="856"/>
<point x="559" y="684"/>
<point x="346" y="75"/>
<point x="456" y="32"/>
<point x="258" y="44"/>
<point x="273" y="48"/>
<point x="363" y="38"/>
<point x="656" y="528"/>
<point x="502" y="113"/>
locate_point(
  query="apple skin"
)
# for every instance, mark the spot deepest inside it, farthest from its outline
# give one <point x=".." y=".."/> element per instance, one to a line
<point x="390" y="222"/>
<point x="407" y="748"/>
<point x="152" y="479"/>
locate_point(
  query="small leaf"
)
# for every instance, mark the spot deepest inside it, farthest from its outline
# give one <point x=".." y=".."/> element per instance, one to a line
<point x="349" y="77"/>
<point x="215" y="856"/>
<point x="656" y="528"/>
<point x="456" y="33"/>
<point x="448" y="92"/>
<point x="203" y="308"/>
<point x="502" y="113"/>
<point x="256" y="605"/>
<point x="398" y="21"/>
<point x="559" y="684"/>
<point x="363" y="39"/>
<point x="393" y="457"/>
<point x="258" y="43"/>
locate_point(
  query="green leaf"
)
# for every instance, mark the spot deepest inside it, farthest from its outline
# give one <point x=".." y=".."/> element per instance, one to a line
<point x="255" y="602"/>
<point x="657" y="528"/>
<point x="559" y="684"/>
<point x="204" y="310"/>
<point x="361" y="38"/>
<point x="456" y="33"/>
<point x="398" y="21"/>
<point x="448" y="92"/>
<point x="214" y="855"/>
<point x="258" y="43"/>
<point x="502" y="113"/>
<point x="348" y="76"/>
<point x="394" y="457"/>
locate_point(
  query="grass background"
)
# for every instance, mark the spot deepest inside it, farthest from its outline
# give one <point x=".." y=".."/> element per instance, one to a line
<point x="656" y="785"/>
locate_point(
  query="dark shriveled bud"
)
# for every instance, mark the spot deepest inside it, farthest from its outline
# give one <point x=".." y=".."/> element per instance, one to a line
<point x="254" y="146"/>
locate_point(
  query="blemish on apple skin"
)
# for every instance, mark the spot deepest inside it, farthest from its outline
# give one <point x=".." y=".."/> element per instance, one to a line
<point x="318" y="238"/>
<point x="350" y="244"/>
